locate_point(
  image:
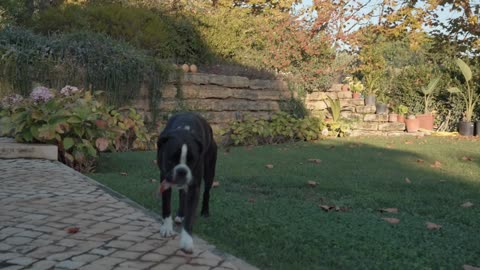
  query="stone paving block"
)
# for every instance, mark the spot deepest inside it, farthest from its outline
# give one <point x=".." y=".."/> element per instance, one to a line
<point x="126" y="254"/>
<point x="23" y="249"/>
<point x="4" y="247"/>
<point x="154" y="257"/>
<point x="69" y="264"/>
<point x="43" y="265"/>
<point x="22" y="261"/>
<point x="177" y="260"/>
<point x="165" y="266"/>
<point x="15" y="241"/>
<point x="120" y="244"/>
<point x="46" y="251"/>
<point x="204" y="261"/>
<point x="30" y="234"/>
<point x="108" y="261"/>
<point x="86" y="258"/>
<point x="136" y="265"/>
<point x="8" y="256"/>
<point x="102" y="252"/>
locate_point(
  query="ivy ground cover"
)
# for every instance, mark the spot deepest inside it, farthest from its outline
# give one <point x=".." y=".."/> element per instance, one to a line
<point x="368" y="203"/>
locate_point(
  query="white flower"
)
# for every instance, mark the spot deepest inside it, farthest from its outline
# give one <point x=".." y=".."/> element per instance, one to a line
<point x="325" y="132"/>
<point x="69" y="90"/>
<point x="8" y="101"/>
<point x="41" y="93"/>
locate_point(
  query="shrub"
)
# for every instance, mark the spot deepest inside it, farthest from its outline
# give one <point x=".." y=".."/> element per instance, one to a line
<point x="281" y="128"/>
<point x="76" y="121"/>
<point x="166" y="36"/>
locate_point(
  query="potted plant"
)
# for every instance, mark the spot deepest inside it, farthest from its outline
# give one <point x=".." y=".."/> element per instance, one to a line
<point x="356" y="87"/>
<point x="382" y="104"/>
<point x="412" y="124"/>
<point x="371" y="88"/>
<point x="402" y="110"/>
<point x="427" y="118"/>
<point x="470" y="97"/>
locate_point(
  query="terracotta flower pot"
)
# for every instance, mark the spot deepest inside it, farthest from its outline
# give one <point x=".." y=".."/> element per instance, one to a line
<point x="401" y="118"/>
<point x="356" y="95"/>
<point x="412" y="125"/>
<point x="426" y="121"/>
<point x="185" y="68"/>
<point x="393" y="117"/>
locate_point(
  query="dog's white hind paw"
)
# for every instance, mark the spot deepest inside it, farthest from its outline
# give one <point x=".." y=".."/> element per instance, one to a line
<point x="186" y="242"/>
<point x="166" y="229"/>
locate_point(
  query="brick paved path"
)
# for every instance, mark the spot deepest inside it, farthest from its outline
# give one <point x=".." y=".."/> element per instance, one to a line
<point x="40" y="200"/>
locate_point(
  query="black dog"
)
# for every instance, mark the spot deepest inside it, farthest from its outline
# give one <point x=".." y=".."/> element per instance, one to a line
<point x="186" y="153"/>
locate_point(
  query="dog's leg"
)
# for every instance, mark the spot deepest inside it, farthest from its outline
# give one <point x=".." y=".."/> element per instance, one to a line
<point x="209" y="177"/>
<point x="166" y="229"/>
<point x="186" y="241"/>
<point x="181" y="208"/>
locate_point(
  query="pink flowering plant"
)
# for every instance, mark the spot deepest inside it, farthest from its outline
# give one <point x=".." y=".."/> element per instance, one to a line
<point x="74" y="120"/>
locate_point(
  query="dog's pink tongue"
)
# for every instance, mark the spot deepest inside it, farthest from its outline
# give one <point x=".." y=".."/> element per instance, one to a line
<point x="164" y="185"/>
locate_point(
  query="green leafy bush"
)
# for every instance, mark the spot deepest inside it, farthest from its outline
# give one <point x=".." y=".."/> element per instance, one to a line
<point x="281" y="128"/>
<point x="76" y="121"/>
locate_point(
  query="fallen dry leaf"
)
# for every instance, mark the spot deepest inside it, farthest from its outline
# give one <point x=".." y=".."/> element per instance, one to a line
<point x="73" y="230"/>
<point x="389" y="146"/>
<point x="269" y="166"/>
<point x="251" y="200"/>
<point x="467" y="158"/>
<point x="312" y="183"/>
<point x="392" y="220"/>
<point x="388" y="210"/>
<point x="314" y="160"/>
<point x="408" y="142"/>
<point x="469" y="267"/>
<point x="326" y="207"/>
<point x="123" y="174"/>
<point x="152" y="180"/>
<point x="408" y="180"/>
<point x="215" y="184"/>
<point x="467" y="205"/>
<point x="437" y="164"/>
<point x="154" y="161"/>
<point x="433" y="226"/>
<point x="421" y="161"/>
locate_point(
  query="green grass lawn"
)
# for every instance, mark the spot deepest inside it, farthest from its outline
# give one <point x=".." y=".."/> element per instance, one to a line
<point x="272" y="218"/>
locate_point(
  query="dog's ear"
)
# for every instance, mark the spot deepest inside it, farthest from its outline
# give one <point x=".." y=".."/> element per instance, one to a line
<point x="162" y="140"/>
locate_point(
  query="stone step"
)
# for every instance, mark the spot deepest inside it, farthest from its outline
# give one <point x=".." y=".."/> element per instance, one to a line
<point x="9" y="149"/>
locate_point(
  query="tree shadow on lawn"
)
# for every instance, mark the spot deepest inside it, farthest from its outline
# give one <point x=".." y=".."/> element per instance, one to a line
<point x="272" y="217"/>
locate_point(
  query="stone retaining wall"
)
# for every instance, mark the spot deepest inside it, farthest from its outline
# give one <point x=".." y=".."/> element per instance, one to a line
<point x="222" y="99"/>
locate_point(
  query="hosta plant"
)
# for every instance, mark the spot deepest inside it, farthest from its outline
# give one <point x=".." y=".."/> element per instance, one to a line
<point x="76" y="121"/>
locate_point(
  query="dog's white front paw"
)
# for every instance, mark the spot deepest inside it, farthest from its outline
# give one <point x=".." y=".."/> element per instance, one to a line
<point x="186" y="242"/>
<point x="166" y="229"/>
<point x="178" y="220"/>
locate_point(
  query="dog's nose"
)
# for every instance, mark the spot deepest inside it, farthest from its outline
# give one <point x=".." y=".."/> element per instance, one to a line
<point x="181" y="172"/>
